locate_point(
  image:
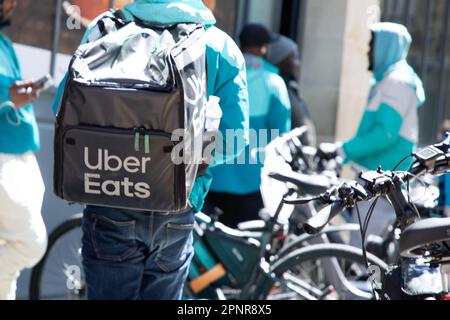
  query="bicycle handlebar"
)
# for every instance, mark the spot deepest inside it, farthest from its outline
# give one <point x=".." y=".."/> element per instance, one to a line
<point x="377" y="183"/>
<point x="308" y="158"/>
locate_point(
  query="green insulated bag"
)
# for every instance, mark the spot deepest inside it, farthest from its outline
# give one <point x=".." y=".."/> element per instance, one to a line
<point x="133" y="107"/>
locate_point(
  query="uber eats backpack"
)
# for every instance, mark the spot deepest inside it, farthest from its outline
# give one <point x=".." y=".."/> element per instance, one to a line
<point x="125" y="95"/>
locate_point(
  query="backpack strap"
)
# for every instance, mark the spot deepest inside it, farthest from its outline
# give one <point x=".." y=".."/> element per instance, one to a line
<point x="123" y="16"/>
<point x="110" y="22"/>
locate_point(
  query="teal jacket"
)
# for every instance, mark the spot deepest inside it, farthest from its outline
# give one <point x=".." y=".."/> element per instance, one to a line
<point x="270" y="109"/>
<point x="226" y="73"/>
<point x="19" y="132"/>
<point x="447" y="190"/>
<point x="389" y="129"/>
<point x="444" y="184"/>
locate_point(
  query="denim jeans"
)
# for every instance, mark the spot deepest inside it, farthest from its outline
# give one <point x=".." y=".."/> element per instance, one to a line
<point x="133" y="255"/>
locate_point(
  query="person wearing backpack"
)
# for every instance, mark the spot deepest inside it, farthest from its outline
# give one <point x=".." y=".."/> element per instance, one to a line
<point x="23" y="237"/>
<point x="130" y="254"/>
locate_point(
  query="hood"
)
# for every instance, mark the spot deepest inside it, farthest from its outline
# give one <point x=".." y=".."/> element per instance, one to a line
<point x="391" y="48"/>
<point x="171" y="11"/>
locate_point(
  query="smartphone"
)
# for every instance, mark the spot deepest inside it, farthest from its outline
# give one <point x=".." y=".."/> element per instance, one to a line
<point x="43" y="82"/>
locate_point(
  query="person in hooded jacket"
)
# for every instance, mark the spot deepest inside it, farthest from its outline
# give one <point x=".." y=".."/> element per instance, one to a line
<point x="389" y="129"/>
<point x="128" y="254"/>
<point x="23" y="237"/>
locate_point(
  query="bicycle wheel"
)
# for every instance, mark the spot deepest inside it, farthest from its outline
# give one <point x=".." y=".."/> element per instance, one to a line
<point x="334" y="234"/>
<point x="322" y="272"/>
<point x="59" y="275"/>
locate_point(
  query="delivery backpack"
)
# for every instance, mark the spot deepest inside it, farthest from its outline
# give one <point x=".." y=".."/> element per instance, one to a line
<point x="127" y="95"/>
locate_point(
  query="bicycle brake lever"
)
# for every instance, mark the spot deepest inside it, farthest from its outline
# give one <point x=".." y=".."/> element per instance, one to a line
<point x="360" y="191"/>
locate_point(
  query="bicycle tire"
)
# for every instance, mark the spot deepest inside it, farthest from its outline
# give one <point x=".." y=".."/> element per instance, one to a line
<point x="315" y="253"/>
<point x="70" y="224"/>
<point x="302" y="240"/>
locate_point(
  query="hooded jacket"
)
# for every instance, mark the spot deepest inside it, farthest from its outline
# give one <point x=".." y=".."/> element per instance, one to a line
<point x="389" y="129"/>
<point x="226" y="71"/>
<point x="19" y="132"/>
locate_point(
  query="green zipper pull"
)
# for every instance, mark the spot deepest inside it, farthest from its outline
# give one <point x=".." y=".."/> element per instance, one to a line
<point x="147" y="144"/>
<point x="136" y="142"/>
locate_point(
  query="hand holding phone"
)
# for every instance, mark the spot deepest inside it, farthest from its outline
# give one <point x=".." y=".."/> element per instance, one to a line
<point x="43" y="83"/>
<point x="22" y="93"/>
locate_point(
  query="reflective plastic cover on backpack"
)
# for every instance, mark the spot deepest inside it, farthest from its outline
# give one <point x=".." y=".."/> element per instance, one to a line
<point x="133" y="106"/>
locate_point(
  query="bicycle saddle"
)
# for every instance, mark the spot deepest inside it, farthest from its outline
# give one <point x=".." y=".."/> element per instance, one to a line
<point x="235" y="233"/>
<point x="432" y="235"/>
<point x="252" y="226"/>
<point x="308" y="184"/>
<point x="201" y="218"/>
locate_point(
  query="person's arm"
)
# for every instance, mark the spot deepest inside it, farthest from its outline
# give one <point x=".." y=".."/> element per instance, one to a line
<point x="5" y="97"/>
<point x="59" y="94"/>
<point x="231" y="88"/>
<point x="383" y="134"/>
<point x="393" y="101"/>
<point x="15" y="93"/>
<point x="6" y="80"/>
<point x="18" y="95"/>
<point x="447" y="190"/>
<point x="279" y="117"/>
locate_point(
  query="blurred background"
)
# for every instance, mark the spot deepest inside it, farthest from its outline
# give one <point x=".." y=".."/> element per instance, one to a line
<point x="333" y="38"/>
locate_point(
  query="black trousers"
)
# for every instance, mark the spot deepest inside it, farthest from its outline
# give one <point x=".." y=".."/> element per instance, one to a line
<point x="236" y="208"/>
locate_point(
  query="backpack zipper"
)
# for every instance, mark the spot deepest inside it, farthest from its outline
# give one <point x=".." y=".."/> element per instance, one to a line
<point x="137" y="140"/>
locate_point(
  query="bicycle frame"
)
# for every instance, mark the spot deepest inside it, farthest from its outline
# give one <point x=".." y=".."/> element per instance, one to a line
<point x="259" y="267"/>
<point x="406" y="216"/>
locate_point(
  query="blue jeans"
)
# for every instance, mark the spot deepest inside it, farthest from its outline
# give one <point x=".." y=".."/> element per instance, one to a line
<point x="133" y="255"/>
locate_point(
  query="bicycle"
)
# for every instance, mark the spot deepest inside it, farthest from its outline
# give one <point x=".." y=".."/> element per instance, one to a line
<point x="314" y="174"/>
<point x="424" y="244"/>
<point x="243" y="283"/>
<point x="60" y="279"/>
<point x="269" y="234"/>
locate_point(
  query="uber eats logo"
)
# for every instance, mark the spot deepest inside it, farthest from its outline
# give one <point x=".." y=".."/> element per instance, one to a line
<point x="103" y="163"/>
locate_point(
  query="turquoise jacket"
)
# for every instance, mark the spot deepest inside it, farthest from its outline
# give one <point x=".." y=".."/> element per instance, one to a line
<point x="444" y="184"/>
<point x="270" y="109"/>
<point x="389" y="129"/>
<point x="19" y="132"/>
<point x="447" y="190"/>
<point x="226" y="72"/>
